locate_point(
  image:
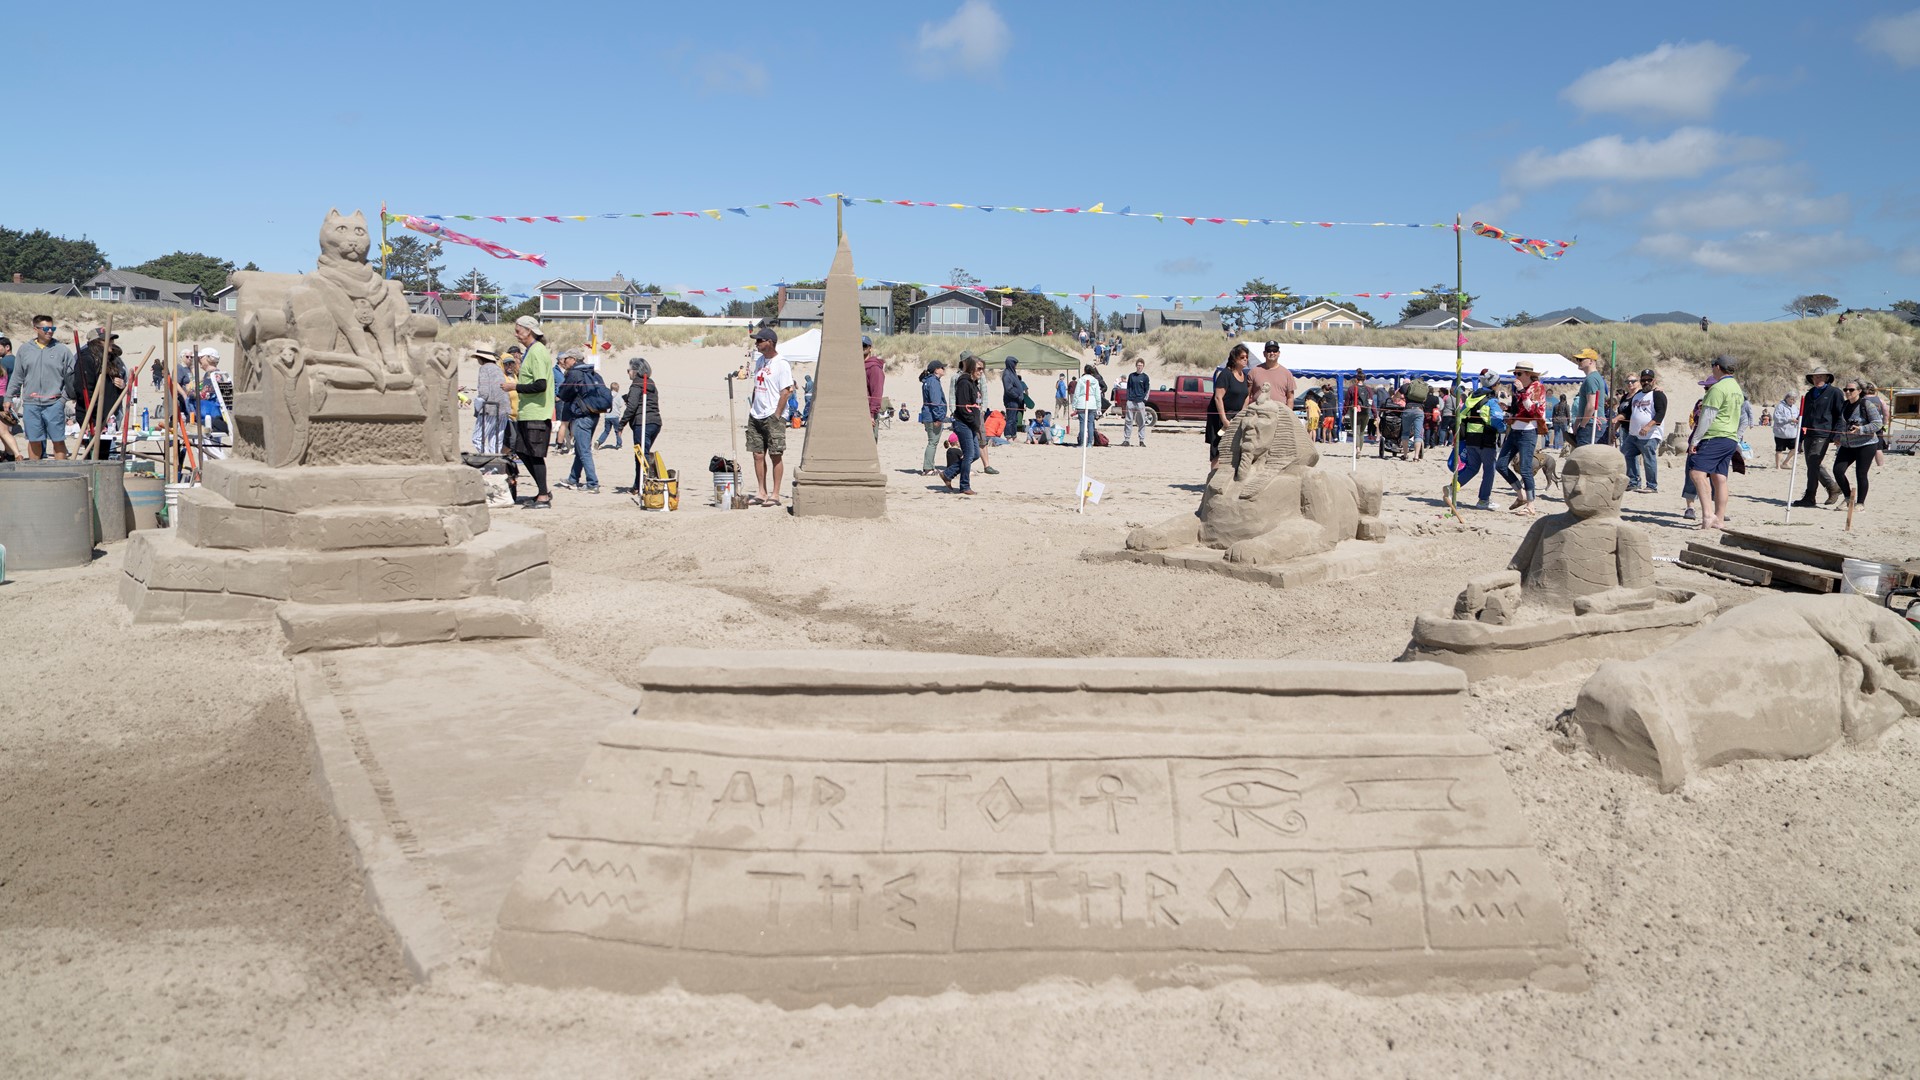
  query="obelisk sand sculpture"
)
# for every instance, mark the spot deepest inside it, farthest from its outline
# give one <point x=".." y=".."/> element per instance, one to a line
<point x="1579" y="586"/>
<point x="799" y="827"/>
<point x="839" y="473"/>
<point x="1784" y="677"/>
<point x="345" y="512"/>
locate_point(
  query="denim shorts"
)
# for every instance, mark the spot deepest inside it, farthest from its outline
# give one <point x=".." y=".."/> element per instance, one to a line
<point x="1713" y="456"/>
<point x="45" y="421"/>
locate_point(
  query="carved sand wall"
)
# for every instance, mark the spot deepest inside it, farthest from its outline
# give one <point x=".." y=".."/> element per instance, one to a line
<point x="780" y="830"/>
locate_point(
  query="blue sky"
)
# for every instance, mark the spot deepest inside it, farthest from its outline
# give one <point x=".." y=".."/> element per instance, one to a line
<point x="1707" y="160"/>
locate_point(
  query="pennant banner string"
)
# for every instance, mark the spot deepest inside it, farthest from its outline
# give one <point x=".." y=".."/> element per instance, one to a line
<point x="770" y="288"/>
<point x="1546" y="249"/>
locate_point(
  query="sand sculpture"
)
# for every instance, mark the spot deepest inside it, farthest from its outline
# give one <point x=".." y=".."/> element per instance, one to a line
<point x="802" y="829"/>
<point x="839" y="473"/>
<point x="1579" y="586"/>
<point x="344" y="511"/>
<point x="1784" y="677"/>
<point x="1268" y="511"/>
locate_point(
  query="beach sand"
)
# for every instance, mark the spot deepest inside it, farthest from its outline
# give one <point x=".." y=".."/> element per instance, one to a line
<point x="176" y="897"/>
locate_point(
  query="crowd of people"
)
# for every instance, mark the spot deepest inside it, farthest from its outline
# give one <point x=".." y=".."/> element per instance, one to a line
<point x="52" y="393"/>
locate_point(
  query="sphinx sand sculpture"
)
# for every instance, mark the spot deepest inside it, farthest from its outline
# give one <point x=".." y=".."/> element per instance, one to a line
<point x="1269" y="511"/>
<point x="801" y="829"/>
<point x="1783" y="677"/>
<point x="345" y="510"/>
<point x="1579" y="586"/>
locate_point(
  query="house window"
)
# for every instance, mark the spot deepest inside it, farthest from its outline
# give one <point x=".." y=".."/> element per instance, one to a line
<point x="973" y="315"/>
<point x="549" y="302"/>
<point x="1302" y="325"/>
<point x="570" y="302"/>
<point x="232" y="304"/>
<point x="1342" y="324"/>
<point x="103" y="292"/>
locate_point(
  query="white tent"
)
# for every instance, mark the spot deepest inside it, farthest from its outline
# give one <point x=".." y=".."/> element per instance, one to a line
<point x="804" y="349"/>
<point x="1434" y="365"/>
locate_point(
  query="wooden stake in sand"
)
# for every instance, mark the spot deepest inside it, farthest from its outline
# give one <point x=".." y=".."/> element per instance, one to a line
<point x="739" y="501"/>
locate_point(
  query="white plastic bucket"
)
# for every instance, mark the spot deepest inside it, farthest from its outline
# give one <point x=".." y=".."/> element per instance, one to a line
<point x="173" y="502"/>
<point x="723" y="488"/>
<point x="1869" y="579"/>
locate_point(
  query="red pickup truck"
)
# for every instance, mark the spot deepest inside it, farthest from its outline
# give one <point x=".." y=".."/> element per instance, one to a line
<point x="1187" y="399"/>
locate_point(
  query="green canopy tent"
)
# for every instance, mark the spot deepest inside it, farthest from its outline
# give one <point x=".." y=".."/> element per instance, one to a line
<point x="1033" y="353"/>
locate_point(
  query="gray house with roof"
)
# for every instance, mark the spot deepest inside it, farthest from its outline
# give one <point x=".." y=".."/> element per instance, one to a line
<point x="1573" y="316"/>
<point x="127" y="287"/>
<point x="805" y="308"/>
<point x="63" y="290"/>
<point x="958" y="313"/>
<point x="588" y="298"/>
<point x="1155" y="318"/>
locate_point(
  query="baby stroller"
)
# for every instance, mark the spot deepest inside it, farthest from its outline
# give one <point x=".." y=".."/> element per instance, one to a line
<point x="1390" y="442"/>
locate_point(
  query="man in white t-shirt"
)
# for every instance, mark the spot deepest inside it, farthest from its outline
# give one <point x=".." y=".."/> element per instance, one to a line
<point x="770" y="385"/>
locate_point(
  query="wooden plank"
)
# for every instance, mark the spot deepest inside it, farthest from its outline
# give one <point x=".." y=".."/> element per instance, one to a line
<point x="1792" y="573"/>
<point x="1786" y="550"/>
<point x="1721" y="568"/>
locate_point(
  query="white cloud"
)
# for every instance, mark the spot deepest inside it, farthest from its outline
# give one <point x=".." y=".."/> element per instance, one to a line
<point x="729" y="73"/>
<point x="1188" y="265"/>
<point x="1682" y="81"/>
<point x="1748" y="209"/>
<point x="1759" y="252"/>
<point x="974" y="40"/>
<point x="1494" y="210"/>
<point x="1686" y="154"/>
<point x="1897" y="36"/>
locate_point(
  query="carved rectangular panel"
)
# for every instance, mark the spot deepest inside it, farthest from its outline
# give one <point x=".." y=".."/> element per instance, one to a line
<point x="819" y="860"/>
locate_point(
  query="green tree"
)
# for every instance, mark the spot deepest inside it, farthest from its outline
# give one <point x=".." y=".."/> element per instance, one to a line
<point x="673" y="306"/>
<point x="1437" y="296"/>
<point x="472" y="281"/>
<point x="904" y="297"/>
<point x="959" y="276"/>
<point x="1518" y="318"/>
<point x="529" y="306"/>
<point x="1033" y="313"/>
<point x="192" y="267"/>
<point x="740" y="309"/>
<point x="1233" y="318"/>
<point x="1813" y="304"/>
<point x="1911" y="307"/>
<point x="41" y="256"/>
<point x="1264" y="309"/>
<point x="415" y="264"/>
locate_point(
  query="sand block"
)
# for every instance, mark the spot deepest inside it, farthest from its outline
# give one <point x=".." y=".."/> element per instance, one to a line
<point x="1350" y="559"/>
<point x="252" y="484"/>
<point x="839" y="827"/>
<point x="344" y="626"/>
<point x="1484" y="650"/>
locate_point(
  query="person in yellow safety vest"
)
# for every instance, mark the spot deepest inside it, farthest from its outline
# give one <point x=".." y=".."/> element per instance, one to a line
<point x="1481" y="421"/>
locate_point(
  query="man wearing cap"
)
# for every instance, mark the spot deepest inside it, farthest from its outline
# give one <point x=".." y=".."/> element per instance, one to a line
<point x="38" y="390"/>
<point x="1587" y="421"/>
<point x="876" y="382"/>
<point x="1714" y="441"/>
<point x="772" y="384"/>
<point x="1641" y="415"/>
<point x="1013" y="396"/>
<point x="933" y="410"/>
<point x="1820" y="413"/>
<point x="1269" y="381"/>
<point x="533" y="410"/>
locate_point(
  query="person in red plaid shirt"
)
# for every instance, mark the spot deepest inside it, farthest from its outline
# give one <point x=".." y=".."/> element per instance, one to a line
<point x="1525" y="424"/>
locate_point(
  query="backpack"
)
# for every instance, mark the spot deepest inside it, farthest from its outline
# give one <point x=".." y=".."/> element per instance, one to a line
<point x="1416" y="391"/>
<point x="1100" y="438"/>
<point x="598" y="399"/>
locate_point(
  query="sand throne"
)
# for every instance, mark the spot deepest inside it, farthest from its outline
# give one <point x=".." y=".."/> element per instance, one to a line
<point x="299" y="402"/>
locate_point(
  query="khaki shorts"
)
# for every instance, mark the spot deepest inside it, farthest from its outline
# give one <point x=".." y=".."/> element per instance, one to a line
<point x="766" y="436"/>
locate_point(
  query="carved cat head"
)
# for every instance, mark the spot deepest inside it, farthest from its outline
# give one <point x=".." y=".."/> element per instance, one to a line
<point x="344" y="236"/>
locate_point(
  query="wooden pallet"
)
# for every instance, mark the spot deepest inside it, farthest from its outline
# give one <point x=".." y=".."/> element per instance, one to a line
<point x="1786" y="550"/>
<point x="1800" y="574"/>
<point x="1724" y="568"/>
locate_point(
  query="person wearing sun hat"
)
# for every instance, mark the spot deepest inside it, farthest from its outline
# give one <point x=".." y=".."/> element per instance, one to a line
<point x="1588" y="424"/>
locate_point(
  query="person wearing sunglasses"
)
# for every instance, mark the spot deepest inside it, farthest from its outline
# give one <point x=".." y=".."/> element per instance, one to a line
<point x="1643" y="411"/>
<point x="37" y="392"/>
<point x="1861" y="421"/>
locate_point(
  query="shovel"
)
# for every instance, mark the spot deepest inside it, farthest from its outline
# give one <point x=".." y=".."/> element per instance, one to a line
<point x="733" y="447"/>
